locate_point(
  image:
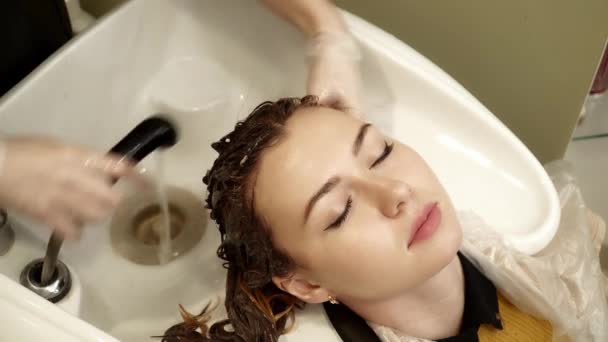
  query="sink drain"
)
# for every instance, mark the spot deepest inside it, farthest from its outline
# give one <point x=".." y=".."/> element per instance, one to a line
<point x="147" y="224"/>
<point x="137" y="226"/>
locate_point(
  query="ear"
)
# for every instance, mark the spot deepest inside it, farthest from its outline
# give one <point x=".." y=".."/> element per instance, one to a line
<point x="302" y="288"/>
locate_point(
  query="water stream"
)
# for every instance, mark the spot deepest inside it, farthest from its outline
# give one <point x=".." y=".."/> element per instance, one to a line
<point x="163" y="228"/>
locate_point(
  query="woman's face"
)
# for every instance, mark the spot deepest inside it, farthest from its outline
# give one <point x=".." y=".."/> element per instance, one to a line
<point x="361" y="215"/>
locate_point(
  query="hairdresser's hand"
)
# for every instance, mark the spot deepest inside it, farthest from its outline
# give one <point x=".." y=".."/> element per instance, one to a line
<point x="334" y="73"/>
<point x="60" y="185"/>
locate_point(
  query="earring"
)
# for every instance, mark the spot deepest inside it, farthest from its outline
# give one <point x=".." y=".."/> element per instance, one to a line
<point x="332" y="300"/>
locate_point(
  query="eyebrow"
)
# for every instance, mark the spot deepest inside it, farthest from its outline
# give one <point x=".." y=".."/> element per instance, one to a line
<point x="334" y="181"/>
<point x="360" y="137"/>
<point x="326" y="188"/>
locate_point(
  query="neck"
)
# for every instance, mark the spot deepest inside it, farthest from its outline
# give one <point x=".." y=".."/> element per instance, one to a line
<point x="432" y="310"/>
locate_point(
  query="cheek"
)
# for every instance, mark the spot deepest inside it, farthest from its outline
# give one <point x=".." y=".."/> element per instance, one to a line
<point x="413" y="170"/>
<point x="408" y="165"/>
<point x="357" y="254"/>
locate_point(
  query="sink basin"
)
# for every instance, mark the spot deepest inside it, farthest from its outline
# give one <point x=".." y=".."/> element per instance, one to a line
<point x="22" y="320"/>
<point x="207" y="64"/>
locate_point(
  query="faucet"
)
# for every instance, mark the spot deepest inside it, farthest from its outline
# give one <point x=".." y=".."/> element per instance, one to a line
<point x="7" y="236"/>
<point x="152" y="133"/>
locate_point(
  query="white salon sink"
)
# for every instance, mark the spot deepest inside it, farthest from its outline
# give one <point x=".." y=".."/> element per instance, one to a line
<point x="25" y="317"/>
<point x="206" y="64"/>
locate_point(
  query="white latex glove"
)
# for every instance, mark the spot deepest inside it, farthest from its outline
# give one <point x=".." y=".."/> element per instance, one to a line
<point x="334" y="74"/>
<point x="60" y="185"/>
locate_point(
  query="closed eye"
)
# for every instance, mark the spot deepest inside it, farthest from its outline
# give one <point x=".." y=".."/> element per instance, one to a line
<point x="388" y="148"/>
<point x="338" y="222"/>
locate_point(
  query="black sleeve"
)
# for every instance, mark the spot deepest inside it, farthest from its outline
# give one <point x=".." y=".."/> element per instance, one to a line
<point x="30" y="31"/>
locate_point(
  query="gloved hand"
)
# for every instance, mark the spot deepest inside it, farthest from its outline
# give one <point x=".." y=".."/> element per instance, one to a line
<point x="60" y="185"/>
<point x="334" y="74"/>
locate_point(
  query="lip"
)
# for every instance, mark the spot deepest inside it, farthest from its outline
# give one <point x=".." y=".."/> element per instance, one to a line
<point x="425" y="224"/>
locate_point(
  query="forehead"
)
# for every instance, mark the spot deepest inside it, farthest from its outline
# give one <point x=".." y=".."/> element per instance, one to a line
<point x="302" y="161"/>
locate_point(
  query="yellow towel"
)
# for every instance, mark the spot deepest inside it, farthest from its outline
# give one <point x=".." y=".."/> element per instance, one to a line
<point x="517" y="326"/>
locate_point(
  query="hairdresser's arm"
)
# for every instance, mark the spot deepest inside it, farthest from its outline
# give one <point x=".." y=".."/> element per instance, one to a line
<point x="58" y="184"/>
<point x="333" y="54"/>
<point x="309" y="16"/>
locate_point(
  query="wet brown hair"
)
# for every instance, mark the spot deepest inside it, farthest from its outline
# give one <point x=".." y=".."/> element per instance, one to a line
<point x="257" y="310"/>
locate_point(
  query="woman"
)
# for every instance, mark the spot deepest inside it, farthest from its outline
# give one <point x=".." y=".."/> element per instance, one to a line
<point x="315" y="206"/>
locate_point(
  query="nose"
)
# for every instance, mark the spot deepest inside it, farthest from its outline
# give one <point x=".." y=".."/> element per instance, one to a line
<point x="390" y="195"/>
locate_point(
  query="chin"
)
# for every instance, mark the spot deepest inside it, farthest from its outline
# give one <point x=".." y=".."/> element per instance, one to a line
<point x="450" y="249"/>
<point x="445" y="247"/>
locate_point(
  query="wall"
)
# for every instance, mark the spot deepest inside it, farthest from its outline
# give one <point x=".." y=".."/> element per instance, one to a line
<point x="99" y="7"/>
<point x="530" y="62"/>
